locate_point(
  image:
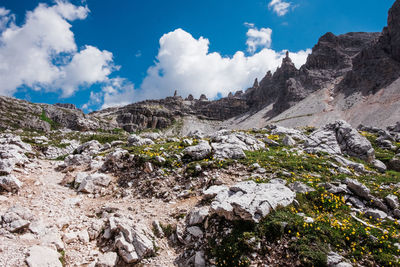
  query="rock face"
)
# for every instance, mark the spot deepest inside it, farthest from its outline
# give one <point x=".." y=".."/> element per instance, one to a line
<point x="160" y="114"/>
<point x="247" y="200"/>
<point x="16" y="114"/>
<point x="330" y="58"/>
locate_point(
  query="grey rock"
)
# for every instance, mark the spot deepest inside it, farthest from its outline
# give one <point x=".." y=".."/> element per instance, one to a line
<point x="53" y="239"/>
<point x="227" y="151"/>
<point x="125" y="249"/>
<point x="358" y="188"/>
<point x="301" y="188"/>
<point x="350" y="164"/>
<point x="70" y="237"/>
<point x="187" y="142"/>
<point x="91" y="147"/>
<point x="195" y="231"/>
<point x="356" y="202"/>
<point x="10" y="183"/>
<point x="322" y="140"/>
<point x="198" y="152"/>
<point x="17" y="225"/>
<point x="393" y="201"/>
<point x="270" y="142"/>
<point x="288" y="141"/>
<point x="151" y="136"/>
<point x="134" y="241"/>
<point x="158" y="231"/>
<point x="396" y="213"/>
<point x="108" y="259"/>
<point x="197" y="215"/>
<point x="333" y="259"/>
<point x="135" y="140"/>
<point x="199" y="260"/>
<point x="77" y="160"/>
<point x="91" y="182"/>
<point x="343" y="264"/>
<point x="339" y="137"/>
<point x="375" y="214"/>
<point x="214" y="190"/>
<point x="379" y="165"/>
<point x="351" y="142"/>
<point x="249" y="201"/>
<point x="148" y="167"/>
<point x="394" y="163"/>
<point x="40" y="256"/>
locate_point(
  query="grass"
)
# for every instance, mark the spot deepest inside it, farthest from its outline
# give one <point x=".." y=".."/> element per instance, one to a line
<point x="54" y="125"/>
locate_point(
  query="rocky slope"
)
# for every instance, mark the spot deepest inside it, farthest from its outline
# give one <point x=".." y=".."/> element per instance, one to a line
<point x="276" y="196"/>
<point x="20" y="114"/>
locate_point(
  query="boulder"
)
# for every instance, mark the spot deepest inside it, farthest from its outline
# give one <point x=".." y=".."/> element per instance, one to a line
<point x="227" y="151"/>
<point x="91" y="147"/>
<point x="40" y="256"/>
<point x="77" y="160"/>
<point x="379" y="165"/>
<point x="375" y="214"/>
<point x="197" y="215"/>
<point x="199" y="259"/>
<point x="394" y="163"/>
<point x="199" y="151"/>
<point x="108" y="259"/>
<point x="90" y="183"/>
<point x="16" y="219"/>
<point x="351" y="142"/>
<point x="301" y="188"/>
<point x="288" y="141"/>
<point x="10" y="183"/>
<point x="392" y="201"/>
<point x="135" y="140"/>
<point x="134" y="241"/>
<point x="339" y="137"/>
<point x="248" y="200"/>
<point x="358" y="188"/>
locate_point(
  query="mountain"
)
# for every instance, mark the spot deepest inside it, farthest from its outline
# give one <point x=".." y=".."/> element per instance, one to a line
<point x="352" y="76"/>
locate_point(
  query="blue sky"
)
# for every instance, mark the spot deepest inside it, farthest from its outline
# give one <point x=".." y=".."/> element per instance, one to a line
<point x="131" y="64"/>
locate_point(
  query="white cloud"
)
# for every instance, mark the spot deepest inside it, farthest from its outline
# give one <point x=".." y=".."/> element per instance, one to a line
<point x="116" y="92"/>
<point x="258" y="38"/>
<point x="279" y="7"/>
<point x="185" y="64"/>
<point x="5" y="18"/>
<point x="42" y="53"/>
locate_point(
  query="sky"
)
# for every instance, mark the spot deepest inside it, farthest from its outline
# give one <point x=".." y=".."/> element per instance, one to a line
<point x="101" y="53"/>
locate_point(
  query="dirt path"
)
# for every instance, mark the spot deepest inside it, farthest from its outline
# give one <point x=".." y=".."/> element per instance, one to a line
<point x="58" y="210"/>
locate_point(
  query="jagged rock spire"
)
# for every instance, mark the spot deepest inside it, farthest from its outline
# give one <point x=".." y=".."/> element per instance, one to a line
<point x="255" y="85"/>
<point x="287" y="59"/>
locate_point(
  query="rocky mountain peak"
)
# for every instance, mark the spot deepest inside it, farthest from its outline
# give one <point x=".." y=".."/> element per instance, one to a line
<point x="394" y="30"/>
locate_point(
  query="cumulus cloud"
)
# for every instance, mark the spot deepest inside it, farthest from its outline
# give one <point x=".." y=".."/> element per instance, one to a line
<point x="257" y="38"/>
<point x="280" y="7"/>
<point x="115" y="92"/>
<point x="42" y="53"/>
<point x="185" y="64"/>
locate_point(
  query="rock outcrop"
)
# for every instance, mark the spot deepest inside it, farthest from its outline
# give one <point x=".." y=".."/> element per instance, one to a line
<point x="247" y="200"/>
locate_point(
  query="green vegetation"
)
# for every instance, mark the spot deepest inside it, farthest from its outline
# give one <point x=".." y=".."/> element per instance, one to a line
<point x="54" y="125"/>
<point x="333" y="228"/>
